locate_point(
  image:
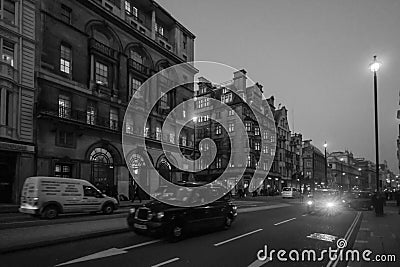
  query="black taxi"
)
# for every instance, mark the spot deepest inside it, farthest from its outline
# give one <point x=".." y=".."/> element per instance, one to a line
<point x="159" y="218"/>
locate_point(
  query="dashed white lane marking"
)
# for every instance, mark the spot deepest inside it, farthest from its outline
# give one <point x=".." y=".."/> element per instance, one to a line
<point x="285" y="221"/>
<point x="165" y="262"/>
<point x="237" y="237"/>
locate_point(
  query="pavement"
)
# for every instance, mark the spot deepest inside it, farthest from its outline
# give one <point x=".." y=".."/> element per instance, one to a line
<point x="380" y="235"/>
<point x="28" y="233"/>
<point x="277" y="226"/>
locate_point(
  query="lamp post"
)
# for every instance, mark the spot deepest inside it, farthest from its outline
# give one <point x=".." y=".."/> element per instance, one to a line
<point x="374" y="67"/>
<point x="194" y="147"/>
<point x="326" y="167"/>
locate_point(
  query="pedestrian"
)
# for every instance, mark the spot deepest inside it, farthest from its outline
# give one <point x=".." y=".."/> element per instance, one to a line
<point x="136" y="193"/>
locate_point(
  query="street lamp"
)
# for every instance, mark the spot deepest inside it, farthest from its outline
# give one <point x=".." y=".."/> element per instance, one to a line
<point x="326" y="163"/>
<point x="374" y="67"/>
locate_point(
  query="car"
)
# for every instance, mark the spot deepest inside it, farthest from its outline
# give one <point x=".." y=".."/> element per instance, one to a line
<point x="324" y="201"/>
<point x="290" y="192"/>
<point x="48" y="197"/>
<point x="362" y="200"/>
<point x="346" y="198"/>
<point x="174" y="222"/>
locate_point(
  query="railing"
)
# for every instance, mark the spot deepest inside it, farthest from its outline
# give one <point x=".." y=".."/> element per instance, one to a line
<point x="101" y="89"/>
<point x="79" y="116"/>
<point x="138" y="66"/>
<point x="162" y="37"/>
<point x="102" y="48"/>
<point x="8" y="71"/>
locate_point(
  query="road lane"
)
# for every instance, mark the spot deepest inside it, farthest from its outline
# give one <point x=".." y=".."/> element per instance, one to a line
<point x="199" y="250"/>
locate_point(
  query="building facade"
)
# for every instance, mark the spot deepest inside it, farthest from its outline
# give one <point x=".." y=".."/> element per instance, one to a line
<point x="313" y="166"/>
<point x="344" y="170"/>
<point x="93" y="56"/>
<point x="250" y="106"/>
<point x="367" y="178"/>
<point x="17" y="90"/>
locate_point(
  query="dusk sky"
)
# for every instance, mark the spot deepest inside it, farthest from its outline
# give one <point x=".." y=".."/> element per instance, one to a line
<point x="313" y="56"/>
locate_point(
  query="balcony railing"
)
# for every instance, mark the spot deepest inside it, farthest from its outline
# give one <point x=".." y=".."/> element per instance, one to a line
<point x="138" y="66"/>
<point x="8" y="71"/>
<point x="102" y="48"/>
<point x="79" y="116"/>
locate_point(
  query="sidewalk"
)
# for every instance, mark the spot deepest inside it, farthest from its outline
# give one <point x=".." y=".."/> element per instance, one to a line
<point x="381" y="235"/>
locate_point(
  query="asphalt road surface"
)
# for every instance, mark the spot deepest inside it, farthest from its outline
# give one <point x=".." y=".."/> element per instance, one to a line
<point x="288" y="228"/>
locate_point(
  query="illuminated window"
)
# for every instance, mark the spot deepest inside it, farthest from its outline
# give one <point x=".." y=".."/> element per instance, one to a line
<point x="65" y="59"/>
<point x="218" y="129"/>
<point x="101" y="74"/>
<point x="64" y="106"/>
<point x="231" y="127"/>
<point x="113" y="118"/>
<point x="135" y="85"/>
<point x="8" y="52"/>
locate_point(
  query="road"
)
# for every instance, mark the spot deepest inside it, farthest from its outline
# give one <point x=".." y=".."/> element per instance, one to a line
<point x="281" y="228"/>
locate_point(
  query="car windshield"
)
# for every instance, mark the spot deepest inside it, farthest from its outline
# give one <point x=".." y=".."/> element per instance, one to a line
<point x="287" y="189"/>
<point x="187" y="194"/>
<point x="324" y="194"/>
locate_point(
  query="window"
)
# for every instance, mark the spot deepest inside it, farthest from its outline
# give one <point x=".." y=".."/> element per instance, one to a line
<point x="256" y="130"/>
<point x="65" y="139"/>
<point x="66" y="14"/>
<point x="159" y="29"/>
<point x="129" y="124"/>
<point x="217" y="114"/>
<point x="309" y="163"/>
<point x="64" y="106"/>
<point x="89" y="191"/>
<point x="231" y="127"/>
<point x="265" y="149"/>
<point x="134" y="55"/>
<point x="91" y="113"/>
<point x="231" y="112"/>
<point x="172" y="138"/>
<point x="184" y="41"/>
<point x="218" y="129"/>
<point x="113" y="118"/>
<point x="130" y="9"/>
<point x="7" y="109"/>
<point x="218" y="163"/>
<point x="204" y="102"/>
<point x="226" y="98"/>
<point x="164" y="101"/>
<point x="158" y="133"/>
<point x="62" y="170"/>
<point x="101" y="74"/>
<point x="225" y="90"/>
<point x="183" y="140"/>
<point x="147" y="130"/>
<point x="272" y="151"/>
<point x="265" y="135"/>
<point x="135" y="84"/>
<point x="65" y="59"/>
<point x="8" y="52"/>
<point x="265" y="166"/>
<point x="248" y="126"/>
<point x="248" y="161"/>
<point x="9" y="11"/>
<point x="257" y="146"/>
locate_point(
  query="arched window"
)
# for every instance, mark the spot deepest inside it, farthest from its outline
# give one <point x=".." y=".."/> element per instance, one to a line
<point x="101" y="37"/>
<point x="102" y="164"/>
<point x="101" y="155"/>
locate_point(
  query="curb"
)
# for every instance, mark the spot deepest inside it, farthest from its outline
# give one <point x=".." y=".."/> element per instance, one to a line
<point x="62" y="240"/>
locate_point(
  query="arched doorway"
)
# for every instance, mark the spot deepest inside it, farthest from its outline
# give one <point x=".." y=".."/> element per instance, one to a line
<point x="164" y="169"/>
<point x="137" y="172"/>
<point x="102" y="170"/>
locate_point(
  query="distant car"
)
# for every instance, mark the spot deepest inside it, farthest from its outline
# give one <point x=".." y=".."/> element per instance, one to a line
<point x="324" y="201"/>
<point x="362" y="200"/>
<point x="290" y="192"/>
<point x="49" y="196"/>
<point x="158" y="218"/>
<point x="346" y="198"/>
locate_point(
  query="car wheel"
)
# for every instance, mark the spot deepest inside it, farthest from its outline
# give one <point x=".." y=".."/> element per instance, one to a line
<point x="228" y="222"/>
<point x="176" y="232"/>
<point x="108" y="209"/>
<point x="50" y="212"/>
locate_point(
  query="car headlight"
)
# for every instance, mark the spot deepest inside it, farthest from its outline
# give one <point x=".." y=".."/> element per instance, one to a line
<point x="132" y="210"/>
<point x="234" y="208"/>
<point x="149" y="216"/>
<point x="330" y="204"/>
<point x="160" y="215"/>
<point x="309" y="202"/>
<point x="344" y="201"/>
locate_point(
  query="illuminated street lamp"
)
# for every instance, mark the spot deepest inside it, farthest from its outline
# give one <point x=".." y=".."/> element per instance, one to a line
<point x="374" y="67"/>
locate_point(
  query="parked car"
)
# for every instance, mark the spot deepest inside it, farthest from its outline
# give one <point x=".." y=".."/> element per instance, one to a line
<point x="50" y="196"/>
<point x="158" y="218"/>
<point x="362" y="200"/>
<point x="290" y="192"/>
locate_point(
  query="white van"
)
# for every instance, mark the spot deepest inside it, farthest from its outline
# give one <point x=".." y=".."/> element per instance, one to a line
<point x="50" y="196"/>
<point x="290" y="192"/>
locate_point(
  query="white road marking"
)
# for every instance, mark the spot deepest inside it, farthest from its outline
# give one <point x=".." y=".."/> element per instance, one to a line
<point x="102" y="254"/>
<point x="346" y="237"/>
<point x="165" y="262"/>
<point x="304" y="215"/>
<point x="285" y="221"/>
<point x="237" y="237"/>
<point x="258" y="263"/>
<point x="244" y="210"/>
<point x="142" y="244"/>
<point x="108" y="253"/>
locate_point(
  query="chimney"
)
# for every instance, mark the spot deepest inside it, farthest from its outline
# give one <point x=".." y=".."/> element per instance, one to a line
<point x="260" y="87"/>
<point x="239" y="80"/>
